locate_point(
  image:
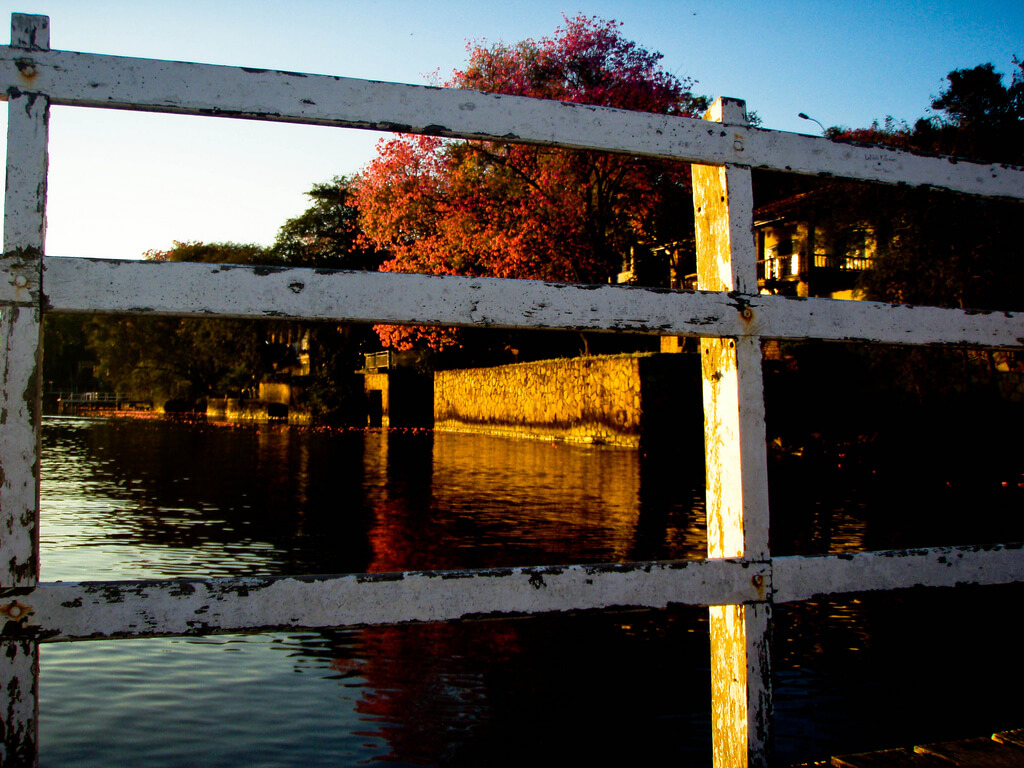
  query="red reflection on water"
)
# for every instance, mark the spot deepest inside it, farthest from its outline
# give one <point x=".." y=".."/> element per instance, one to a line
<point x="464" y="501"/>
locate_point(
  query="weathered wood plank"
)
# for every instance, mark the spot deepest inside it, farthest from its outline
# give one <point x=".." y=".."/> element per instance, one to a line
<point x="735" y="448"/>
<point x="19" y="676"/>
<point x="888" y="758"/>
<point x="735" y="458"/>
<point x="832" y="320"/>
<point x="813" y="155"/>
<point x="21" y="270"/>
<point x="803" y="578"/>
<point x="170" y="607"/>
<point x="19" y="446"/>
<point x="741" y="684"/>
<point x="1015" y="737"/>
<point x="204" y="290"/>
<point x="723" y="207"/>
<point x="729" y="314"/>
<point x="20" y="417"/>
<point x="975" y="753"/>
<point x="116" y="609"/>
<point x="94" y="80"/>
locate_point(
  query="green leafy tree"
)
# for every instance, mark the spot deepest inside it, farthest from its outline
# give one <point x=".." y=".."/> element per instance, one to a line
<point x="67" y="362"/>
<point x="327" y="234"/>
<point x="188" y="359"/>
<point x="945" y="248"/>
<point x="978" y="116"/>
<point x="183" y="359"/>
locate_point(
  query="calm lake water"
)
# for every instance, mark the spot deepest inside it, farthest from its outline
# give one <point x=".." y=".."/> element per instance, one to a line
<point x="129" y="499"/>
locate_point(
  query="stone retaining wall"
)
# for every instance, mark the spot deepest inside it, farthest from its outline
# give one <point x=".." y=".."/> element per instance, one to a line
<point x="602" y="400"/>
<point x="234" y="409"/>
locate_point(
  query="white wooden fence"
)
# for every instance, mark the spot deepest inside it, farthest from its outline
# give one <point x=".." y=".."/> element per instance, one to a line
<point x="740" y="580"/>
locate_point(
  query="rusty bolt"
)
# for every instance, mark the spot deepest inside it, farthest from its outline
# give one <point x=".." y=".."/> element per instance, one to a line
<point x="757" y="580"/>
<point x="747" y="313"/>
<point x="21" y="281"/>
<point x="737" y="145"/>
<point x="15" y="611"/>
<point x="27" y="68"/>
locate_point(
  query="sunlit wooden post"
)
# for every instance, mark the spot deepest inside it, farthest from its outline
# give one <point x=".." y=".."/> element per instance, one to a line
<point x="20" y="330"/>
<point x="735" y="456"/>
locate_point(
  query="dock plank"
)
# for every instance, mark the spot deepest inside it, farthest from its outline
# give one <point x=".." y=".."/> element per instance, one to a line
<point x="977" y="753"/>
<point x="889" y="758"/>
<point x="1014" y="737"/>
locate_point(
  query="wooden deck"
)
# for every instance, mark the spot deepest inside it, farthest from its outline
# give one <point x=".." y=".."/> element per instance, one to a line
<point x="1003" y="750"/>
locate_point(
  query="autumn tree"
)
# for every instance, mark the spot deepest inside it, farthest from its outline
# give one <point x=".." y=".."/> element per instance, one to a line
<point x="488" y="208"/>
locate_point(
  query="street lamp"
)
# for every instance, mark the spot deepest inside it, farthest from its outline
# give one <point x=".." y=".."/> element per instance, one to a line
<point x="804" y="116"/>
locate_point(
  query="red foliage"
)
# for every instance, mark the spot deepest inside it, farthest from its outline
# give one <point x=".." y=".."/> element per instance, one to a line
<point x="516" y="211"/>
<point x="892" y="133"/>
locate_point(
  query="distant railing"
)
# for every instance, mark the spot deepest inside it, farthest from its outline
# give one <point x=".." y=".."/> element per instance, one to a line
<point x="376" y="361"/>
<point x="843" y="263"/>
<point x="79" y="398"/>
<point x="740" y="580"/>
<point x="778" y="267"/>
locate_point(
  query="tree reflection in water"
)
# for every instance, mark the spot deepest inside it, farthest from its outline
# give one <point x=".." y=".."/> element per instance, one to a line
<point x="126" y="500"/>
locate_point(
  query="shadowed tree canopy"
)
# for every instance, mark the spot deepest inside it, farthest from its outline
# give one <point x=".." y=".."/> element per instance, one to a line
<point x="977" y="116"/>
<point x="190" y="359"/>
<point x="327" y="234"/>
<point x="486" y="208"/>
<point x="941" y="248"/>
<point x="945" y="248"/>
<point x="183" y="359"/>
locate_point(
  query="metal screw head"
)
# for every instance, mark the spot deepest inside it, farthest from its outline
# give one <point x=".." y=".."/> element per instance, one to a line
<point x="747" y="313"/>
<point x="737" y="145"/>
<point x="15" y="611"/>
<point x="21" y="281"/>
<point x="757" y="580"/>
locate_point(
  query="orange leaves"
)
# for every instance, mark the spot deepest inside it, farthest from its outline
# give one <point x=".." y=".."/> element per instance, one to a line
<point x="494" y="209"/>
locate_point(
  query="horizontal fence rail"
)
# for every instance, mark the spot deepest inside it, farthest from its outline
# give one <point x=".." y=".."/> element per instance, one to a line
<point x="229" y="290"/>
<point x="740" y="580"/>
<point x="109" y="609"/>
<point x="803" y="578"/>
<point x="112" y="82"/>
<point x="151" y="608"/>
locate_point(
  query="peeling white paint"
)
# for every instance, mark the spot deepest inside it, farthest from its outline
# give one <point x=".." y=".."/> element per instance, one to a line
<point x="241" y="291"/>
<point x="19" y="675"/>
<point x="118" y="609"/>
<point x="20" y="342"/>
<point x="20" y="316"/>
<point x="804" y="578"/>
<point x="740" y="577"/>
<point x="112" y="82"/>
<point x="735" y="459"/>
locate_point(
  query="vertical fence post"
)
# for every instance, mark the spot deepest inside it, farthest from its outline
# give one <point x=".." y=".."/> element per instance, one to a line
<point x="735" y="458"/>
<point x="20" y="397"/>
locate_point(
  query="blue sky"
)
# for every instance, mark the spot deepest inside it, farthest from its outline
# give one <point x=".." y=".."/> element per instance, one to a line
<point x="123" y="183"/>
